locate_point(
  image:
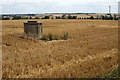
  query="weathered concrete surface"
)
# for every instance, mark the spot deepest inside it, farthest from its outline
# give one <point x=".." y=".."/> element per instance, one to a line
<point x="33" y="29"/>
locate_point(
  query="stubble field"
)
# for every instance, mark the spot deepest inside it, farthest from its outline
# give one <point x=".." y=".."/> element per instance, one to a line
<point x="90" y="51"/>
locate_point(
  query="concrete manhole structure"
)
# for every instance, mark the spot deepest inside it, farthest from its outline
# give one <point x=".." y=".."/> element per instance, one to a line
<point x="33" y="29"/>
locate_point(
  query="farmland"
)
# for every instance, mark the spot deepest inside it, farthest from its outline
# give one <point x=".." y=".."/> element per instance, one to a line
<point x="90" y="51"/>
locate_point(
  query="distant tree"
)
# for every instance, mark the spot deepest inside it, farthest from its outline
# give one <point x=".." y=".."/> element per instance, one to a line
<point x="52" y="18"/>
<point x="91" y="17"/>
<point x="74" y="17"/>
<point x="46" y="17"/>
<point x="24" y="18"/>
<point x="95" y="18"/>
<point x="37" y="18"/>
<point x="85" y="18"/>
<point x="30" y="17"/>
<point x="64" y="16"/>
<point x="57" y="17"/>
<point x="70" y="17"/>
<point x="111" y="17"/>
<point x="103" y="17"/>
<point x="107" y="18"/>
<point x="17" y="17"/>
<point x="115" y="18"/>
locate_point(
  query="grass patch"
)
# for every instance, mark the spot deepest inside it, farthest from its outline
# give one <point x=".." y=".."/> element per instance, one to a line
<point x="65" y="36"/>
<point x="114" y="74"/>
<point x="50" y="37"/>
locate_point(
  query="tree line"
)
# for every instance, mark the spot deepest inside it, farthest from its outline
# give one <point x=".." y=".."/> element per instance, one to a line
<point x="102" y="17"/>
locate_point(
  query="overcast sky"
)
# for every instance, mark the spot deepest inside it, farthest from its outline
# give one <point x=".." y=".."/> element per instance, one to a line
<point x="55" y="6"/>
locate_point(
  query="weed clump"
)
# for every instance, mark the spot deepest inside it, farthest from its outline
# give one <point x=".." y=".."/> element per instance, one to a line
<point x="44" y="37"/>
<point x="65" y="36"/>
<point x="50" y="37"/>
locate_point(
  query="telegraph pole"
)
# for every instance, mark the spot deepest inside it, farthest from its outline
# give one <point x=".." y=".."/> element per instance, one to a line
<point x="109" y="9"/>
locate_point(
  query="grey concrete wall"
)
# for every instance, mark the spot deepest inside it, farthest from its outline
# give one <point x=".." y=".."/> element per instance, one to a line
<point x="33" y="28"/>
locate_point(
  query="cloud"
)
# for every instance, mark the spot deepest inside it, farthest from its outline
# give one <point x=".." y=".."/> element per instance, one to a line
<point x="63" y="1"/>
<point x="42" y="6"/>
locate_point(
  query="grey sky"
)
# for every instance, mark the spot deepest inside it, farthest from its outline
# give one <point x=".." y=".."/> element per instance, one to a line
<point x="44" y="6"/>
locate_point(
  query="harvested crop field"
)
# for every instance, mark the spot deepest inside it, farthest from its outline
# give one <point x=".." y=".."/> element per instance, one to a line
<point x="90" y="51"/>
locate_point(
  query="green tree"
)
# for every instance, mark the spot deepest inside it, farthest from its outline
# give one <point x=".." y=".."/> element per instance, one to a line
<point x="17" y="17"/>
<point x="74" y="17"/>
<point x="91" y="17"/>
<point x="85" y="18"/>
<point x="70" y="17"/>
<point x="57" y="17"/>
<point x="111" y="17"/>
<point x="103" y="17"/>
<point x="52" y="18"/>
<point x="115" y="18"/>
<point x="64" y="16"/>
<point x="47" y="17"/>
<point x="37" y="18"/>
<point x="107" y="18"/>
<point x="30" y="17"/>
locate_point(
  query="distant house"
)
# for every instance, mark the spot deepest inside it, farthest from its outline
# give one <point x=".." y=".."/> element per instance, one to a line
<point x="7" y="17"/>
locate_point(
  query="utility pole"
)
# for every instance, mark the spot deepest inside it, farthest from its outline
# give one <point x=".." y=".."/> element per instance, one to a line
<point x="109" y="9"/>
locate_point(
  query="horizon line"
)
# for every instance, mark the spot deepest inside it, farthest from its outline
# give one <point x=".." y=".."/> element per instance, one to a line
<point x="64" y="13"/>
